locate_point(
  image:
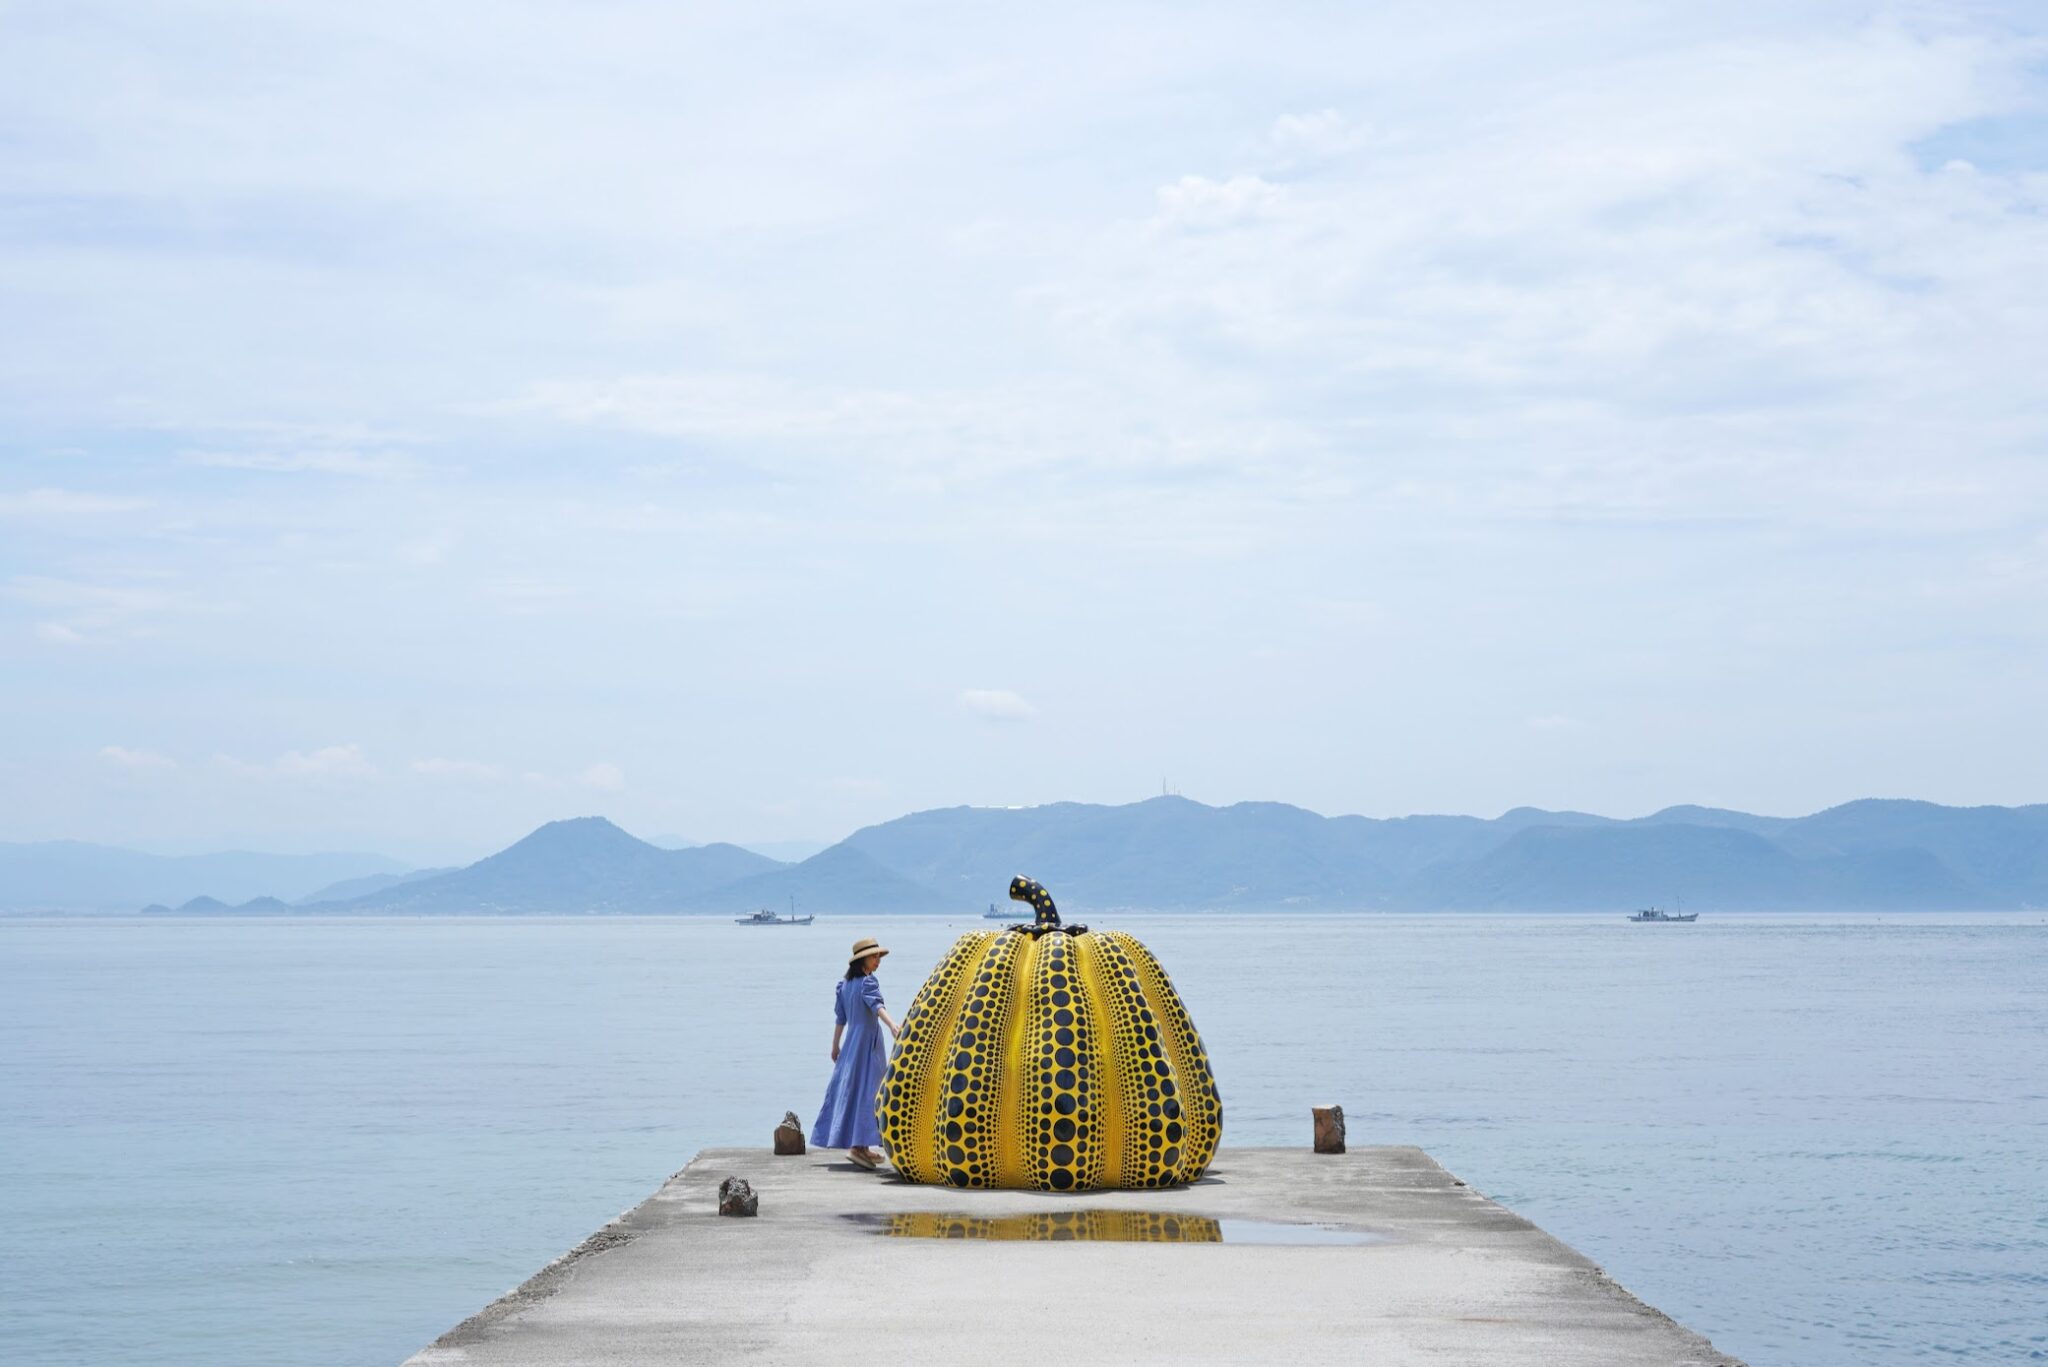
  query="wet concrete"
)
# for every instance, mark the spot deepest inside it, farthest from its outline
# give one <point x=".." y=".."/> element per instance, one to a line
<point x="1431" y="1272"/>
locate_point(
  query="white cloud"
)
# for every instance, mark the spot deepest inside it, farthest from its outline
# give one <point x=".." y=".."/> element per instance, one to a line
<point x="331" y="761"/>
<point x="751" y="408"/>
<point x="126" y="758"/>
<point x="327" y="762"/>
<point x="426" y="551"/>
<point x="35" y="503"/>
<point x="605" y="777"/>
<point x="85" y="610"/>
<point x="997" y="704"/>
<point x="1197" y="203"/>
<point x="1708" y="278"/>
<point x="357" y="464"/>
<point x="464" y="770"/>
<point x="109" y="598"/>
<point x="1067" y="427"/>
<point x="1323" y="133"/>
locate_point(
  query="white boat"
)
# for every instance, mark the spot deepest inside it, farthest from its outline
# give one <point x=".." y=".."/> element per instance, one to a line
<point x="765" y="917"/>
<point x="1658" y="916"/>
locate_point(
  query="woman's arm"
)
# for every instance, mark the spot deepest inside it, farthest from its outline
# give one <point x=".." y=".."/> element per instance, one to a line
<point x="871" y="993"/>
<point x="837" y="1031"/>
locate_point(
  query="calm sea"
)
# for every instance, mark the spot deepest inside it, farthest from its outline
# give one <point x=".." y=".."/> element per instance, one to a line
<point x="1821" y="1141"/>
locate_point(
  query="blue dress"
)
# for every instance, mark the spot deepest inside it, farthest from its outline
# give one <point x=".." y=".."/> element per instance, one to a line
<point x="847" y="1119"/>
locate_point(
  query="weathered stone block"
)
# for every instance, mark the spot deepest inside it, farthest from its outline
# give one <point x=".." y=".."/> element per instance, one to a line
<point x="789" y="1135"/>
<point x="735" y="1197"/>
<point x="1329" y="1129"/>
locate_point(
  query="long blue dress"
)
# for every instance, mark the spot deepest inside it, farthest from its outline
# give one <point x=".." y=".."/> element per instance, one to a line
<point x="847" y="1119"/>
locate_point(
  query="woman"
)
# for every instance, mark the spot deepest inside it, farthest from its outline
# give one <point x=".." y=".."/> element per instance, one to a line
<point x="847" y="1119"/>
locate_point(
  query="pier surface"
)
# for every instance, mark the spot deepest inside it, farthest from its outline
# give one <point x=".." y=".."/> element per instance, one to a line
<point x="1441" y="1275"/>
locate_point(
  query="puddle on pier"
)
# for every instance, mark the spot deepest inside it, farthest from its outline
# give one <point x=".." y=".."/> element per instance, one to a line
<point x="1108" y="1226"/>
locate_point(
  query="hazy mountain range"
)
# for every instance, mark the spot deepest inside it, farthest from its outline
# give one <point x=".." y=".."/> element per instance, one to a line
<point x="1166" y="853"/>
<point x="70" y="875"/>
<point x="1173" y="853"/>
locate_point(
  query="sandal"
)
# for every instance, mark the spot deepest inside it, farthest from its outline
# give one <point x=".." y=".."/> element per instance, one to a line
<point x="862" y="1158"/>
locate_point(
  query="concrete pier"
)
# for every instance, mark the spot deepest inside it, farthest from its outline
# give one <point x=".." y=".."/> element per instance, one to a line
<point x="1277" y="1255"/>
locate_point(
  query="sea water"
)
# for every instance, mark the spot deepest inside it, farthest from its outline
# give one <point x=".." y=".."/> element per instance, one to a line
<point x="1820" y="1140"/>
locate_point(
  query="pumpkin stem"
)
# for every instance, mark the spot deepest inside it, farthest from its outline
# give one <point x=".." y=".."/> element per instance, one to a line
<point x="1027" y="890"/>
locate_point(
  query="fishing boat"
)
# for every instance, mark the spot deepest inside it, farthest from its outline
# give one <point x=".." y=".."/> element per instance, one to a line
<point x="765" y="917"/>
<point x="1658" y="916"/>
<point x="993" y="915"/>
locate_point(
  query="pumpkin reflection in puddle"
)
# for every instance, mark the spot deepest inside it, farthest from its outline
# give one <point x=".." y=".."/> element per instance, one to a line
<point x="1109" y="1226"/>
<point x="1052" y="1057"/>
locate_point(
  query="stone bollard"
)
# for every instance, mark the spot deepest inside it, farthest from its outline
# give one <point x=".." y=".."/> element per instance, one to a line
<point x="789" y="1135"/>
<point x="735" y="1197"/>
<point x="1329" y="1128"/>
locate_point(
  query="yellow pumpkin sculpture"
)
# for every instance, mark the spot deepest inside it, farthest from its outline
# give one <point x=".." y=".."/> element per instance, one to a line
<point x="1052" y="1057"/>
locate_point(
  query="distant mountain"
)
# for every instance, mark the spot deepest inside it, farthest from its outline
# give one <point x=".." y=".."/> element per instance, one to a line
<point x="1172" y="854"/>
<point x="577" y="866"/>
<point x="788" y="851"/>
<point x="2003" y="850"/>
<point x="1165" y="852"/>
<point x="349" y="888"/>
<point x="589" y="865"/>
<point x="1549" y="868"/>
<point x="1168" y="852"/>
<point x="69" y="875"/>
<point x="213" y="906"/>
<point x="840" y="879"/>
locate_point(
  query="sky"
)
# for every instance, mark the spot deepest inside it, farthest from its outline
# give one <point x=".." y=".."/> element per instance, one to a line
<point x="418" y="422"/>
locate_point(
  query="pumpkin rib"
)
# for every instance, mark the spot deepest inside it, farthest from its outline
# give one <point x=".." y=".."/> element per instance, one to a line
<point x="1201" y="1108"/>
<point x="1007" y="1152"/>
<point x="1034" y="1077"/>
<point x="1119" y="992"/>
<point x="970" y="1161"/>
<point x="1091" y="1013"/>
<point x="1066" y="1149"/>
<point x="1160" y="1157"/>
<point x="1174" y="1078"/>
<point x="911" y="1111"/>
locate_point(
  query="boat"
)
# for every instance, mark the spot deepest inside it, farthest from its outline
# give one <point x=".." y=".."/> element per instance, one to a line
<point x="765" y="917"/>
<point x="993" y="915"/>
<point x="1658" y="916"/>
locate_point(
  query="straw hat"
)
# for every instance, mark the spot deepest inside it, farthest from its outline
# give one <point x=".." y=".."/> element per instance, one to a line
<point x="862" y="948"/>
